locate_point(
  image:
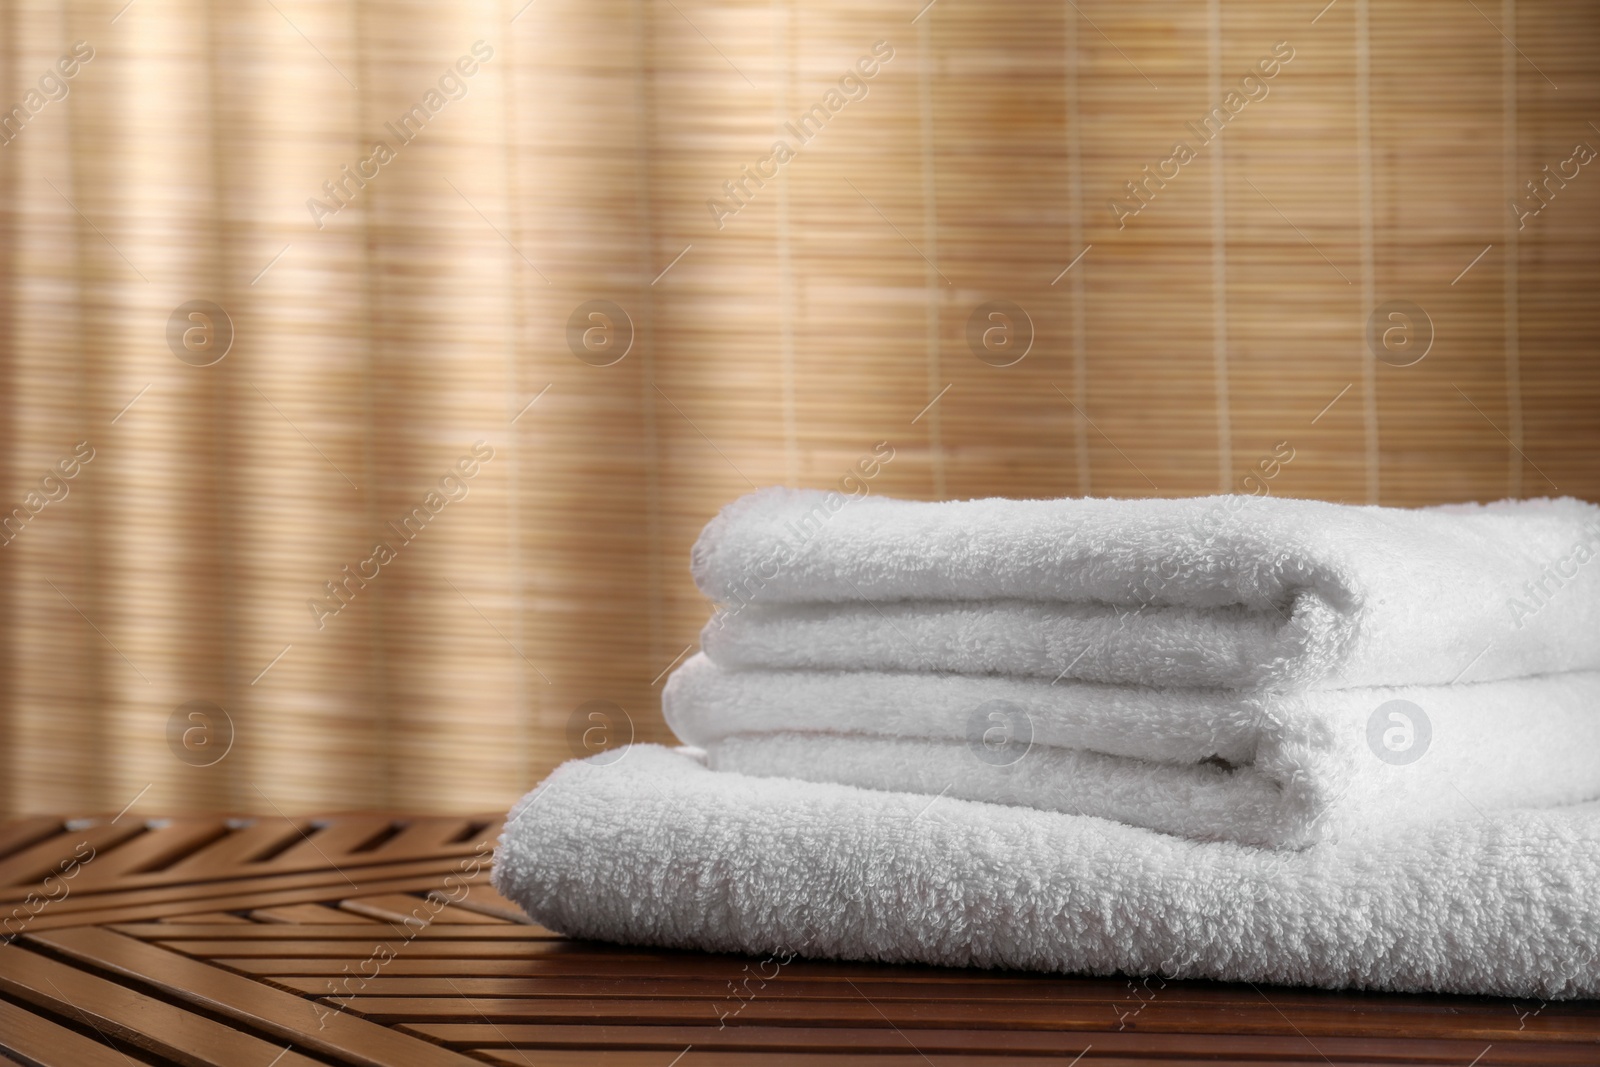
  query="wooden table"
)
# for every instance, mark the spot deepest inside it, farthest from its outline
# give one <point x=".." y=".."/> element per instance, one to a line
<point x="375" y="940"/>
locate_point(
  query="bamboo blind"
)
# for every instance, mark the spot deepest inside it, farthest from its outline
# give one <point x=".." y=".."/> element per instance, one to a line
<point x="774" y="336"/>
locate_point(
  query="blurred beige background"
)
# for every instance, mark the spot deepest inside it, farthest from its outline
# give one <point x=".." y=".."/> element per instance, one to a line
<point x="373" y="325"/>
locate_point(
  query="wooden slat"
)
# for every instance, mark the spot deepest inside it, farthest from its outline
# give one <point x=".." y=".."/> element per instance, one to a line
<point x="28" y="866"/>
<point x="246" y="839"/>
<point x="39" y="1042"/>
<point x="1095" y="1000"/>
<point x="621" y="962"/>
<point x="21" y="833"/>
<point x="642" y="963"/>
<point x="324" y="843"/>
<point x="251" y="879"/>
<point x="712" y="1058"/>
<point x="344" y="925"/>
<point x="303" y="915"/>
<point x="705" y="1057"/>
<point x="298" y="851"/>
<point x="484" y="898"/>
<point x="314" y="965"/>
<point x="429" y="836"/>
<point x="1250" y="1018"/>
<point x="404" y="907"/>
<point x="332" y="844"/>
<point x="122" y="1014"/>
<point x="294" y="888"/>
<point x="260" y="1007"/>
<point x="158" y="843"/>
<point x="421" y="946"/>
<point x="1106" y="1044"/>
<point x="614" y="969"/>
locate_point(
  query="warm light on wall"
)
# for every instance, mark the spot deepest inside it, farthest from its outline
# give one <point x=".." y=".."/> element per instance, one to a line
<point x="420" y="235"/>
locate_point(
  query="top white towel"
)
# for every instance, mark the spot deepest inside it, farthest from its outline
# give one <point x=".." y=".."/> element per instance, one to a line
<point x="1260" y="591"/>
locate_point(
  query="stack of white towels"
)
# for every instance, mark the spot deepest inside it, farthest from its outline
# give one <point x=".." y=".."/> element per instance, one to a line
<point x="1232" y="737"/>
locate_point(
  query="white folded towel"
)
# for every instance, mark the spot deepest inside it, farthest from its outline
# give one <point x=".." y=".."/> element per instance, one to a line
<point x="1260" y="767"/>
<point x="651" y="848"/>
<point x="1214" y="591"/>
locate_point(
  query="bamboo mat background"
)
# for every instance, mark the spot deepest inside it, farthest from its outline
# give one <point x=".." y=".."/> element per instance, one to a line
<point x="1222" y="324"/>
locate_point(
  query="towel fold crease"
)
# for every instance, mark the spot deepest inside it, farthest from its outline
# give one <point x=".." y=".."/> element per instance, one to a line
<point x="1210" y="591"/>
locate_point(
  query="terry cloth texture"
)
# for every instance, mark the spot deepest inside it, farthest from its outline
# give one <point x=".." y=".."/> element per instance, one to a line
<point x="1248" y="739"/>
<point x="1261" y="767"/>
<point x="652" y="848"/>
<point x="1229" y="592"/>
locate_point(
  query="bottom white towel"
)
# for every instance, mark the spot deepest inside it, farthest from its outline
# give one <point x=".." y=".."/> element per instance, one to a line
<point x="652" y="848"/>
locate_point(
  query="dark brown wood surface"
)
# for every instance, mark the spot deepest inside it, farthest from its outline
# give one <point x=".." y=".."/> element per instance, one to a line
<point x="375" y="940"/>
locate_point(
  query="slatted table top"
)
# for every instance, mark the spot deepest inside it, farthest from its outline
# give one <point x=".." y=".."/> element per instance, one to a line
<point x="376" y="940"/>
